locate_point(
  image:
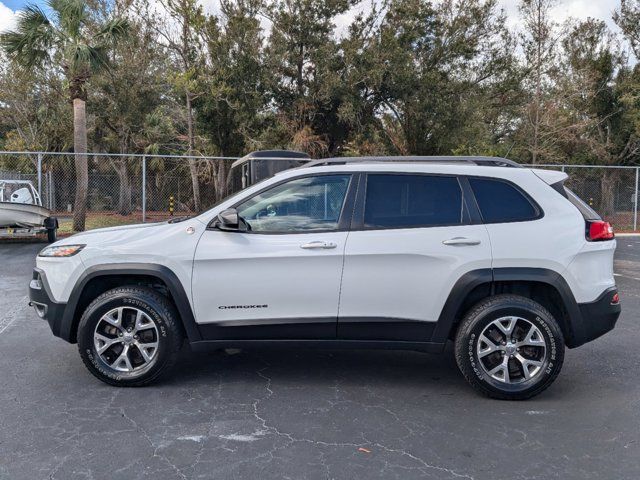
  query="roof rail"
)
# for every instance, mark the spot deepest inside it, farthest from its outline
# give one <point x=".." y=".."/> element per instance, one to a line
<point x="479" y="160"/>
<point x="272" y="155"/>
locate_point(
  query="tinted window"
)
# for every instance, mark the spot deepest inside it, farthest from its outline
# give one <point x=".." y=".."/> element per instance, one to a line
<point x="399" y="201"/>
<point x="301" y="205"/>
<point x="501" y="202"/>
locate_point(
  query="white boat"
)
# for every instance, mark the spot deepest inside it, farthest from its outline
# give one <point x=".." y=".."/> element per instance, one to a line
<point x="21" y="210"/>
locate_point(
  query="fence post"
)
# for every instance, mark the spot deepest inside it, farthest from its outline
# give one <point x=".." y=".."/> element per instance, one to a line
<point x="144" y="188"/>
<point x="50" y="189"/>
<point x="635" y="204"/>
<point x="40" y="176"/>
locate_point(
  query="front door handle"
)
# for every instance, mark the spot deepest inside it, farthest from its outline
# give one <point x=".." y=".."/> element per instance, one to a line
<point x="318" y="244"/>
<point x="461" y="241"/>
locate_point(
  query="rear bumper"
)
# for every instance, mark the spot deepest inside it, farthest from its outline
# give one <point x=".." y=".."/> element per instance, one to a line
<point x="599" y="316"/>
<point x="41" y="299"/>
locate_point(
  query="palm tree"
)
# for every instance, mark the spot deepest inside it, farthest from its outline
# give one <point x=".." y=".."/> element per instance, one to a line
<point x="78" y="43"/>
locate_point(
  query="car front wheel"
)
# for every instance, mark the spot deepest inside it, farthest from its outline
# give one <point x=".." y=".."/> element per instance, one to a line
<point x="509" y="347"/>
<point x="129" y="336"/>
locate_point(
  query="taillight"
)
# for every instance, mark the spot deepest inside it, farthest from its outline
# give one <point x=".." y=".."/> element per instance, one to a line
<point x="599" y="230"/>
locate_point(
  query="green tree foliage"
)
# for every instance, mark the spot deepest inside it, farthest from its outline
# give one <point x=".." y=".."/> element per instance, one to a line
<point x="124" y="98"/>
<point x="434" y="61"/>
<point x="230" y="111"/>
<point x="400" y="77"/>
<point x="304" y="64"/>
<point x="75" y="43"/>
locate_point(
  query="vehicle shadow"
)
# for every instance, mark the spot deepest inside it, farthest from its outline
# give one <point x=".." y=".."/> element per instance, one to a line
<point x="432" y="375"/>
<point x="319" y="366"/>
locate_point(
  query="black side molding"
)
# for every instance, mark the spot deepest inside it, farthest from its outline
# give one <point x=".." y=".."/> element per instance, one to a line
<point x="427" y="347"/>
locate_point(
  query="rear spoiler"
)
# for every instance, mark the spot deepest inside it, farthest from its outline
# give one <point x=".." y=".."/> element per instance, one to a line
<point x="550" y="177"/>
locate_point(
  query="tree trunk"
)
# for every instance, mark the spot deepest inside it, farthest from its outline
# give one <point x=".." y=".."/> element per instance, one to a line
<point x="124" y="194"/>
<point x="193" y="166"/>
<point x="80" y="157"/>
<point x="607" y="193"/>
<point x="536" y="126"/>
<point x="221" y="180"/>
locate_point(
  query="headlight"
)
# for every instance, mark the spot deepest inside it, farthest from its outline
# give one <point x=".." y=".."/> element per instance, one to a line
<point x="61" y="251"/>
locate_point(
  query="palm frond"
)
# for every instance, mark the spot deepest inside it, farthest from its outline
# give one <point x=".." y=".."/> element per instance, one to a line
<point x="84" y="59"/>
<point x="30" y="42"/>
<point x="113" y="30"/>
<point x="71" y="15"/>
<point x="98" y="58"/>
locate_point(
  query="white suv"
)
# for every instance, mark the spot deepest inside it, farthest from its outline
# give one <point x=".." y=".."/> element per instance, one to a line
<point x="403" y="253"/>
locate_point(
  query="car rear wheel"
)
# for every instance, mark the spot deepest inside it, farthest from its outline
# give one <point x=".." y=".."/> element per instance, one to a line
<point x="129" y="336"/>
<point x="509" y="347"/>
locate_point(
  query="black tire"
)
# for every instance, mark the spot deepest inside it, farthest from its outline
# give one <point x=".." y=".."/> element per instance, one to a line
<point x="475" y="369"/>
<point x="167" y="334"/>
<point x="52" y="235"/>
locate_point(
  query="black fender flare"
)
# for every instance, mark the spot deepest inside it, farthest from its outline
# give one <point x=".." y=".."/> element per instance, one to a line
<point x="459" y="293"/>
<point x="470" y="280"/>
<point x="165" y="274"/>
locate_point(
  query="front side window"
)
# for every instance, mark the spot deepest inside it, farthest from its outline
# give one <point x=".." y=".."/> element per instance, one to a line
<point x="409" y="201"/>
<point x="301" y="205"/>
<point x="501" y="202"/>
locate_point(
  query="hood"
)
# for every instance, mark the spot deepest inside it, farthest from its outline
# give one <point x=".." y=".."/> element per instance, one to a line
<point x="120" y="228"/>
<point x="152" y="243"/>
<point x="109" y="234"/>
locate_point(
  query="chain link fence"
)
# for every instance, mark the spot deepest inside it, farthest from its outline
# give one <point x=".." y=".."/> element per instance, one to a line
<point x="122" y="188"/>
<point x="133" y="188"/>
<point x="610" y="191"/>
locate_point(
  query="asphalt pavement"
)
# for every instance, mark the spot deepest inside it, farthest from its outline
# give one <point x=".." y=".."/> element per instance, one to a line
<point x="313" y="414"/>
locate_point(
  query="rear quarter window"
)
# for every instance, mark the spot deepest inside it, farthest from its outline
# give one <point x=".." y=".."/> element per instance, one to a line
<point x="502" y="202"/>
<point x="587" y="212"/>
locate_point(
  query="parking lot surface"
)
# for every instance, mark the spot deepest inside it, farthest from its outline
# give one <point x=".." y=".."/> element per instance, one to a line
<point x="311" y="413"/>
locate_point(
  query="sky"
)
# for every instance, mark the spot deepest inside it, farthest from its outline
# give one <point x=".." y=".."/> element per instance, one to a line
<point x="580" y="9"/>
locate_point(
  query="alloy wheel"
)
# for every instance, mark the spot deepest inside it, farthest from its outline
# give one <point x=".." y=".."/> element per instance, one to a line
<point x="126" y="340"/>
<point x="512" y="350"/>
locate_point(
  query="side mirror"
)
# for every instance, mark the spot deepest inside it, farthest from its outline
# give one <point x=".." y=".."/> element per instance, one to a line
<point x="229" y="221"/>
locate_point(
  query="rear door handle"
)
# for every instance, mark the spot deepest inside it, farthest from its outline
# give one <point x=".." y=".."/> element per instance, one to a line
<point x="461" y="241"/>
<point x="318" y="244"/>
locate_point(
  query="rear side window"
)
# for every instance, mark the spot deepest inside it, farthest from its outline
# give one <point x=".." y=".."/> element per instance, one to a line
<point x="501" y="202"/>
<point x="587" y="212"/>
<point x="406" y="201"/>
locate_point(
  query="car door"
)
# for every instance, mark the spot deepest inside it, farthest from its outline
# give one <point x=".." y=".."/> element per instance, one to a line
<point x="281" y="279"/>
<point x="413" y="236"/>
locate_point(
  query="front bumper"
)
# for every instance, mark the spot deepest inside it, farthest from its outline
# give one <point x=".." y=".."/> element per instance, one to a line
<point x="41" y="299"/>
<point x="599" y="316"/>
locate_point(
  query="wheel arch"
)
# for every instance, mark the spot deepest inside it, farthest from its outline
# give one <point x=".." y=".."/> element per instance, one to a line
<point x="544" y="286"/>
<point x="100" y="278"/>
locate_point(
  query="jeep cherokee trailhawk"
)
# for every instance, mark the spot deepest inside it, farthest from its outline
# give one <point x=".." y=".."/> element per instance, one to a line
<point x="403" y="253"/>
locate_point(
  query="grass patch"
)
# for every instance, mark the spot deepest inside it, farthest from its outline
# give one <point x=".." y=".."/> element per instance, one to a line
<point x="100" y="220"/>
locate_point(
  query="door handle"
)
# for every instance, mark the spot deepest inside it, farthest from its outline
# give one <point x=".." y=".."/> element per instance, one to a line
<point x="318" y="244"/>
<point x="461" y="241"/>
